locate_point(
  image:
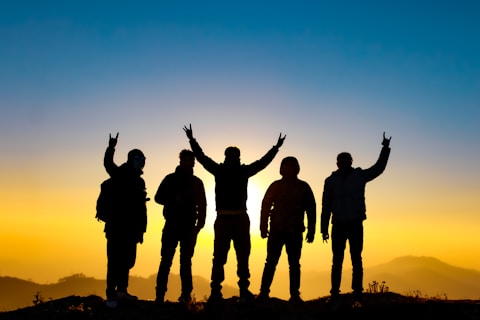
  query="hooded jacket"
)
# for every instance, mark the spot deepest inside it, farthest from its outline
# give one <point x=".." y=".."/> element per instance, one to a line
<point x="344" y="193"/>
<point x="285" y="203"/>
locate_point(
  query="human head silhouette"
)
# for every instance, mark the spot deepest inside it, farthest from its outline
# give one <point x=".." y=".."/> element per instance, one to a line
<point x="344" y="161"/>
<point x="289" y="167"/>
<point x="136" y="159"/>
<point x="187" y="159"/>
<point x="232" y="155"/>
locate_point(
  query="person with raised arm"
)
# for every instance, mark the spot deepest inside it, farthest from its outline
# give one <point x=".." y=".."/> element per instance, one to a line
<point x="126" y="226"/>
<point x="232" y="223"/>
<point x="343" y="201"/>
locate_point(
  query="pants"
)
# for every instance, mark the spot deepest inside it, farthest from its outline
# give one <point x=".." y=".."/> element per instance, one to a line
<point x="171" y="236"/>
<point x="121" y="255"/>
<point x="293" y="245"/>
<point x="229" y="228"/>
<point x="353" y="232"/>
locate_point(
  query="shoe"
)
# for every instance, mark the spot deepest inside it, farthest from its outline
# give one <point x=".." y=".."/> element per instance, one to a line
<point x="262" y="297"/>
<point x="111" y="303"/>
<point x="160" y="300"/>
<point x="215" y="297"/>
<point x="334" y="302"/>
<point x="246" y="296"/>
<point x="296" y="300"/>
<point x="185" y="299"/>
<point x="126" y="296"/>
<point x="357" y="300"/>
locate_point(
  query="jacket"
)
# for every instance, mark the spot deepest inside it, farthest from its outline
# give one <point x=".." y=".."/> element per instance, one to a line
<point x="182" y="195"/>
<point x="286" y="203"/>
<point x="130" y="219"/>
<point x="231" y="181"/>
<point x="344" y="193"/>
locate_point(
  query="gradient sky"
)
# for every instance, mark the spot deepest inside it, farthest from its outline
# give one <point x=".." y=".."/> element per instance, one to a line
<point x="331" y="75"/>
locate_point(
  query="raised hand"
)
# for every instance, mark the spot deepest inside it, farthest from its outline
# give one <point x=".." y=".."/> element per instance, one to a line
<point x="188" y="131"/>
<point x="280" y="140"/>
<point x="112" y="142"/>
<point x="386" y="141"/>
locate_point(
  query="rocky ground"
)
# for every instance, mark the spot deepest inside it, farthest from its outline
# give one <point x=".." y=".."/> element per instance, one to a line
<point x="376" y="306"/>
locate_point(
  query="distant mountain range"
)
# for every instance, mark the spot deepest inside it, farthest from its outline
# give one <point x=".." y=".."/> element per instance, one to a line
<point x="414" y="276"/>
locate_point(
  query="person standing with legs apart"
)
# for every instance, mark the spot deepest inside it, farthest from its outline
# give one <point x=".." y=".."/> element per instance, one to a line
<point x="232" y="222"/>
<point x="284" y="206"/>
<point x="127" y="221"/>
<point x="344" y="201"/>
<point x="184" y="208"/>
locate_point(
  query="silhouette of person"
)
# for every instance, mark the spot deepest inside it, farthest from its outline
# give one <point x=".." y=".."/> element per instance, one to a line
<point x="232" y="222"/>
<point x="184" y="208"/>
<point x="344" y="200"/>
<point x="126" y="228"/>
<point x="284" y="206"/>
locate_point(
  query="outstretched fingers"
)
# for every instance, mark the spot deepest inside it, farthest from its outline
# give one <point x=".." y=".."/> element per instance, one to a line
<point x="188" y="131"/>
<point x="112" y="142"/>
<point x="280" y="140"/>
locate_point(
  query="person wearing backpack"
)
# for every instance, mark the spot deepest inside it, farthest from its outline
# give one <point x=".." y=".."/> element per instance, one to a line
<point x="182" y="195"/>
<point x="127" y="222"/>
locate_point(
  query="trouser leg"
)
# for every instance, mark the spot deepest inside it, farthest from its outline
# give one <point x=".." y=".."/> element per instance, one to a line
<point x="356" y="247"/>
<point x="339" y="240"/>
<point x="293" y="247"/>
<point x="186" y="254"/>
<point x="221" y="246"/>
<point x="169" y="245"/>
<point x="121" y="255"/>
<point x="274" y="250"/>
<point x="241" y="242"/>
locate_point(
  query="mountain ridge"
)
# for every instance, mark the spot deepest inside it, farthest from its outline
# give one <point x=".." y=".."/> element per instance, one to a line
<point x="408" y="275"/>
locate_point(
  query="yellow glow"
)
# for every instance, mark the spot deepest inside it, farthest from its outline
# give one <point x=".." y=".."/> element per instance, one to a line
<point x="254" y="202"/>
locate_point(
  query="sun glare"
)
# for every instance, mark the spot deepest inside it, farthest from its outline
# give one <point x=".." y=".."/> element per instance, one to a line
<point x="254" y="202"/>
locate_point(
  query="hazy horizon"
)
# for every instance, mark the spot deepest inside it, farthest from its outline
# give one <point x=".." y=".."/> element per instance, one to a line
<point x="332" y="76"/>
<point x="424" y="277"/>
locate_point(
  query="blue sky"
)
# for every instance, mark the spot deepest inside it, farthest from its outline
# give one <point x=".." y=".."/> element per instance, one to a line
<point x="333" y="76"/>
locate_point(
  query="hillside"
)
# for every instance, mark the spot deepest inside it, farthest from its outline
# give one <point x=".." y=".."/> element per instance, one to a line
<point x="377" y="306"/>
<point x="411" y="276"/>
<point x="17" y="293"/>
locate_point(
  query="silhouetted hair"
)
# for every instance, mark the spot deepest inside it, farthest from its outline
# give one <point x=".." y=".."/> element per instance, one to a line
<point x="290" y="161"/>
<point x="135" y="153"/>
<point x="186" y="153"/>
<point x="232" y="152"/>
<point x="344" y="156"/>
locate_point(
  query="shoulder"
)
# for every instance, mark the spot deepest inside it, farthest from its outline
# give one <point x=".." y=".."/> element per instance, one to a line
<point x="303" y="183"/>
<point x="197" y="179"/>
<point x="331" y="177"/>
<point x="274" y="185"/>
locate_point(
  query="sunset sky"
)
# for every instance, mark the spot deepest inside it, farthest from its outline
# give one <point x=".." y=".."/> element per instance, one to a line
<point x="331" y="75"/>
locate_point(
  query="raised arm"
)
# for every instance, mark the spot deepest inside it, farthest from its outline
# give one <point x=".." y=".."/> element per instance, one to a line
<point x="209" y="165"/>
<point x="280" y="140"/>
<point x="381" y="163"/>
<point x="263" y="162"/>
<point x="108" y="162"/>
<point x="188" y="131"/>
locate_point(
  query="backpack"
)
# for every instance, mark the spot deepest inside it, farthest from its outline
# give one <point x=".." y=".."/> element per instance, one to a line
<point x="106" y="200"/>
